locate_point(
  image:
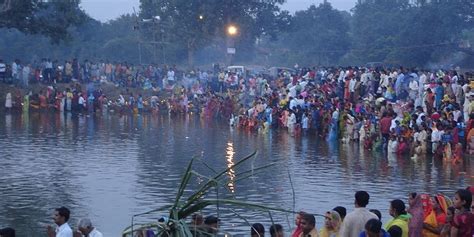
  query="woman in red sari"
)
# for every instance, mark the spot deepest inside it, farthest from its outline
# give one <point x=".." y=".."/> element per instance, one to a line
<point x="298" y="230"/>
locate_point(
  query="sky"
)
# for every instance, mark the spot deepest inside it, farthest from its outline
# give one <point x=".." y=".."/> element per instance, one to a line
<point x="104" y="10"/>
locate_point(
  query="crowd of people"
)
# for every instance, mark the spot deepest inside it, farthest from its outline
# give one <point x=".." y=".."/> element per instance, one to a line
<point x="399" y="110"/>
<point x="426" y="216"/>
<point x="62" y="228"/>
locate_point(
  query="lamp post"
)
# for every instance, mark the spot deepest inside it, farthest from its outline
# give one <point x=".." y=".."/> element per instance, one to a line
<point x="232" y="32"/>
<point x="154" y="20"/>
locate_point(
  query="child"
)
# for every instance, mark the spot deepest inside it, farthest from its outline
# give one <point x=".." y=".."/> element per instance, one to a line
<point x="463" y="221"/>
<point x="447" y="152"/>
<point x="418" y="150"/>
<point x="402" y="147"/>
<point x="457" y="158"/>
<point x="393" y="144"/>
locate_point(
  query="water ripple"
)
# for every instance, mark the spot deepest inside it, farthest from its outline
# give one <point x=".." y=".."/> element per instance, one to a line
<point x="112" y="167"/>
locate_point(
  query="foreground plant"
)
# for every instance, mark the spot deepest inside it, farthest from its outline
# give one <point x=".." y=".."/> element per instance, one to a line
<point x="182" y="208"/>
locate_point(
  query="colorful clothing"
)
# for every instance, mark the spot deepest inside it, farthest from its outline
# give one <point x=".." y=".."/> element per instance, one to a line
<point x="416" y="221"/>
<point x="400" y="221"/>
<point x="464" y="223"/>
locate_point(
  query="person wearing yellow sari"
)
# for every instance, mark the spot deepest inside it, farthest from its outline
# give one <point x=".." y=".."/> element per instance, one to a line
<point x="331" y="226"/>
<point x="435" y="216"/>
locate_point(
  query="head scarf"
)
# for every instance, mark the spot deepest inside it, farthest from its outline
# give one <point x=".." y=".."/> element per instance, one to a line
<point x="335" y="220"/>
<point x="415" y="224"/>
<point x="427" y="205"/>
<point x="430" y="216"/>
<point x="443" y="204"/>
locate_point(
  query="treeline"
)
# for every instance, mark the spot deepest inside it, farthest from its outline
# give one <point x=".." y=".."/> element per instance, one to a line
<point x="396" y="32"/>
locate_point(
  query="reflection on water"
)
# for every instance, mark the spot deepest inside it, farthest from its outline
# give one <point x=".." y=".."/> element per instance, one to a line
<point x="230" y="162"/>
<point x="109" y="167"/>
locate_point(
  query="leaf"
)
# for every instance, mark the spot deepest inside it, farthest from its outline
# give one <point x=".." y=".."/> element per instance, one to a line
<point x="200" y="205"/>
<point x="184" y="183"/>
<point x="211" y="183"/>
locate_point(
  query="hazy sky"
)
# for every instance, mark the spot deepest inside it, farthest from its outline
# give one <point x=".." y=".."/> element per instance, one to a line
<point x="104" y="10"/>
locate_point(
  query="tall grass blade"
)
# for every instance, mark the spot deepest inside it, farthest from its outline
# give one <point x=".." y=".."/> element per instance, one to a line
<point x="184" y="183"/>
<point x="212" y="182"/>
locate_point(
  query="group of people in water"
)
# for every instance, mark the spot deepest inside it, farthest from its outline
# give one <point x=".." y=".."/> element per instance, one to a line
<point x="399" y="110"/>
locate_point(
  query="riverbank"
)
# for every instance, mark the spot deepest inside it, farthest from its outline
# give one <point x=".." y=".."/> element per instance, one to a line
<point x="109" y="89"/>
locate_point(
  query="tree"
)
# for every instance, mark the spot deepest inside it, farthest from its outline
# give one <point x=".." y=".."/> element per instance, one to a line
<point x="319" y="35"/>
<point x="375" y="28"/>
<point x="196" y="24"/>
<point x="49" y="18"/>
<point x="415" y="34"/>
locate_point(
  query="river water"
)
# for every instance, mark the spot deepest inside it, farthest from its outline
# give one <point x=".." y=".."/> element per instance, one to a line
<point x="110" y="167"/>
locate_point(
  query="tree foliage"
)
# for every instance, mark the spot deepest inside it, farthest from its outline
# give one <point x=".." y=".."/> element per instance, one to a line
<point x="196" y="24"/>
<point x="397" y="32"/>
<point x="411" y="34"/>
<point x="49" y="18"/>
<point x="319" y="35"/>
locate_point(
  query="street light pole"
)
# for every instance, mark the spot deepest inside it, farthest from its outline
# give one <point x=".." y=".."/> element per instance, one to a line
<point x="154" y="21"/>
<point x="139" y="50"/>
<point x="232" y="31"/>
<point x="163" y="46"/>
<point x="137" y="28"/>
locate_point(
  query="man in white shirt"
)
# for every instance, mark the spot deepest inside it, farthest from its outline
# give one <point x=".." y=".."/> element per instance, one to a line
<point x="293" y="103"/>
<point x="354" y="222"/>
<point x="291" y="123"/>
<point x="82" y="103"/>
<point x="352" y="85"/>
<point x="170" y="77"/>
<point x="86" y="229"/>
<point x="3" y="70"/>
<point x="61" y="216"/>
<point x="16" y="70"/>
<point x="436" y="138"/>
<point x="414" y="89"/>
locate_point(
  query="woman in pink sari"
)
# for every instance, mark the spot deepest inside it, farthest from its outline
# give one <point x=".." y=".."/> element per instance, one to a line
<point x="415" y="224"/>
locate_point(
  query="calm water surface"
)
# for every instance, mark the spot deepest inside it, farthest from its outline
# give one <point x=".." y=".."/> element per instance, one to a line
<point x="110" y="167"/>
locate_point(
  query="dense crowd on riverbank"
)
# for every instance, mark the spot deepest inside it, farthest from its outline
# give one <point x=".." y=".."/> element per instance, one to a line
<point x="399" y="110"/>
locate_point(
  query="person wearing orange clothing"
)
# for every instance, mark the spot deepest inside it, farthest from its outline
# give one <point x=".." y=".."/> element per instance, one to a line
<point x="435" y="216"/>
